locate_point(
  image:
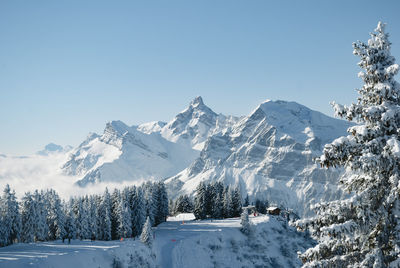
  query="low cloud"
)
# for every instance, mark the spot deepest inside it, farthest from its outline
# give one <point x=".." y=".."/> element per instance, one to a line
<point x="25" y="174"/>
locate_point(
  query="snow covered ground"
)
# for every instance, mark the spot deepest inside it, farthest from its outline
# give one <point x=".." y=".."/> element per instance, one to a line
<point x="219" y="243"/>
<point x="179" y="242"/>
<point x="128" y="253"/>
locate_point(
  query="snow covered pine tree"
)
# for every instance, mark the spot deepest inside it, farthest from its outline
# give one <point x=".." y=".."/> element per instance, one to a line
<point x="147" y="234"/>
<point x="245" y="223"/>
<point x="363" y="230"/>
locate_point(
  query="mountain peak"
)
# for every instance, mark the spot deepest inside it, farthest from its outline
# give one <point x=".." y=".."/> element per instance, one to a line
<point x="295" y="119"/>
<point x="197" y="101"/>
<point x="53" y="148"/>
<point x="118" y="126"/>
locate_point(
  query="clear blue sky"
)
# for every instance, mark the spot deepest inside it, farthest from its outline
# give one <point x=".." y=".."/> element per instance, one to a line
<point x="68" y="67"/>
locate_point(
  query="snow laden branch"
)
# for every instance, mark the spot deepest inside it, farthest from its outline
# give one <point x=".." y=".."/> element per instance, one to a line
<point x="364" y="230"/>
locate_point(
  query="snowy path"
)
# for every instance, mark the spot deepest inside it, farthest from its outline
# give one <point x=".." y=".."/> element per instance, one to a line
<point x="172" y="233"/>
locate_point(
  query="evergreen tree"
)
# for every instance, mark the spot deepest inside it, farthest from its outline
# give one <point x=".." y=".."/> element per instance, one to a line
<point x="28" y="217"/>
<point x="86" y="218"/>
<point x="10" y="219"/>
<point x="236" y="202"/>
<point x="246" y="201"/>
<point x="209" y="198"/>
<point x="105" y="216"/>
<point x="218" y="207"/>
<point x="147" y="234"/>
<point x="115" y="203"/>
<point x="150" y="197"/>
<point x="55" y="216"/>
<point x="77" y="209"/>
<point x="138" y="210"/>
<point x="92" y="216"/>
<point x="161" y="203"/>
<point x="69" y="227"/>
<point x="200" y="201"/>
<point x="183" y="204"/>
<point x="124" y="228"/>
<point x="261" y="206"/>
<point x="227" y="203"/>
<point x="171" y="207"/>
<point x="40" y="215"/>
<point x="245" y="223"/>
<point x="363" y="231"/>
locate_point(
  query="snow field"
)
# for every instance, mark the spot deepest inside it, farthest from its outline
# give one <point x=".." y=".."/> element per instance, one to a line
<point x="128" y="253"/>
<point x="179" y="242"/>
<point x="219" y="243"/>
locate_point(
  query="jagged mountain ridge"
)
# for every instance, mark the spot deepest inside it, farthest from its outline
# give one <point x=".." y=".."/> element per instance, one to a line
<point x="130" y="153"/>
<point x="270" y="154"/>
<point x="195" y="124"/>
<point x="124" y="153"/>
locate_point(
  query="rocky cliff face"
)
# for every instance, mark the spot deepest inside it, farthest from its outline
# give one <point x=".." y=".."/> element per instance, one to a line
<point x="270" y="155"/>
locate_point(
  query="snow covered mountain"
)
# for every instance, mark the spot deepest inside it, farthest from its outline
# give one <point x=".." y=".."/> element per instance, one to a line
<point x="52" y="148"/>
<point x="195" y="124"/>
<point x="124" y="153"/>
<point x="270" y="154"/>
<point x="154" y="150"/>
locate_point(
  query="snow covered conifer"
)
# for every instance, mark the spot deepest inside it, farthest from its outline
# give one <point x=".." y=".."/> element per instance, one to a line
<point x="55" y="216"/>
<point x="236" y="202"/>
<point x="246" y="201"/>
<point x="115" y="203"/>
<point x="209" y="198"/>
<point x="124" y="227"/>
<point x="28" y="217"/>
<point x="161" y="203"/>
<point x="138" y="209"/>
<point x="364" y="230"/>
<point x="150" y="197"/>
<point x="92" y="216"/>
<point x="105" y="216"/>
<point x="147" y="234"/>
<point x="10" y="219"/>
<point x="86" y="218"/>
<point x="77" y="209"/>
<point x="40" y="222"/>
<point x="200" y="201"/>
<point x="227" y="203"/>
<point x="218" y="207"/>
<point x="245" y="223"/>
<point x="69" y="226"/>
<point x="183" y="204"/>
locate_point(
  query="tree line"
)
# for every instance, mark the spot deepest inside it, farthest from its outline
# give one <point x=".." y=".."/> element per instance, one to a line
<point x="43" y="216"/>
<point x="214" y="200"/>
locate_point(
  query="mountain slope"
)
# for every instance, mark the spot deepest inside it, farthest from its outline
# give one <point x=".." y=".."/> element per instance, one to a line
<point x="153" y="150"/>
<point x="270" y="154"/>
<point x="124" y="153"/>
